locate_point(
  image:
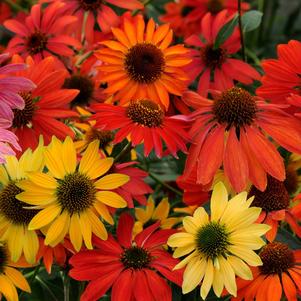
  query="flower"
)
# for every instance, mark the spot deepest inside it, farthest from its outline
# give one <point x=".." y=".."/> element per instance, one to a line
<point x="144" y="122"/>
<point x="278" y="276"/>
<point x="57" y="254"/>
<point x="281" y="82"/>
<point x="275" y="202"/>
<point x="10" y="278"/>
<point x="152" y="214"/>
<point x="14" y="218"/>
<point x="90" y="12"/>
<point x="9" y="88"/>
<point x="44" y="105"/>
<point x="208" y="60"/>
<point x="234" y="125"/>
<point x="293" y="178"/>
<point x="139" y="64"/>
<point x="73" y="196"/>
<point x="42" y="33"/>
<point x="133" y="268"/>
<point x="221" y="246"/>
<point x="135" y="188"/>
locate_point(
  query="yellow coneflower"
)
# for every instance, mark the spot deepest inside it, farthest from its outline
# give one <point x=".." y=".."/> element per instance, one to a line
<point x="14" y="214"/>
<point x="221" y="246"/>
<point x="73" y="196"/>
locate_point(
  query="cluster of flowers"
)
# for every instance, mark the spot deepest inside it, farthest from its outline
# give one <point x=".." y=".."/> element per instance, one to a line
<point x="83" y="83"/>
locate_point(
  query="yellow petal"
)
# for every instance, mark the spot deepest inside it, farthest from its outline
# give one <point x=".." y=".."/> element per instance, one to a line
<point x="218" y="283"/>
<point x="249" y="241"/>
<point x="12" y="167"/>
<point x="43" y="180"/>
<point x="69" y="155"/>
<point x="187" y="259"/>
<point x="189" y="225"/>
<point x="74" y="231"/>
<point x="219" y="201"/>
<point x="200" y="216"/>
<point x="208" y="279"/>
<point x="44" y="217"/>
<point x="181" y="239"/>
<point x="98" y="227"/>
<point x="85" y="227"/>
<point x="17" y="279"/>
<point x="57" y="230"/>
<point x="228" y="276"/>
<point x="111" y="181"/>
<point x="193" y="274"/>
<point x="8" y="289"/>
<point x="31" y="246"/>
<point x="111" y="199"/>
<point x="240" y="268"/>
<point x="162" y="210"/>
<point x="34" y="198"/>
<point x="104" y="212"/>
<point x="179" y="252"/>
<point x="247" y="255"/>
<point x="15" y="241"/>
<point x="3" y="176"/>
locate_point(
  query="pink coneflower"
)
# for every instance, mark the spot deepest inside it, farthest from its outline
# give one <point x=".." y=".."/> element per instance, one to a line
<point x="43" y="33"/>
<point x="9" y="88"/>
<point x="208" y="60"/>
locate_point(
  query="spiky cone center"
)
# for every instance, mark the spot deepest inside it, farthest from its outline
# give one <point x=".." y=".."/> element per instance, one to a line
<point x="215" y="6"/>
<point x="277" y="258"/>
<point x="36" y="42"/>
<point x="212" y="240"/>
<point x="13" y="209"/>
<point x="145" y="112"/>
<point x="76" y="193"/>
<point x="135" y="258"/>
<point x="144" y="63"/>
<point x="235" y="107"/>
<point x="105" y="137"/>
<point x="274" y="197"/>
<point x="213" y="58"/>
<point x="90" y="4"/>
<point x="24" y="117"/>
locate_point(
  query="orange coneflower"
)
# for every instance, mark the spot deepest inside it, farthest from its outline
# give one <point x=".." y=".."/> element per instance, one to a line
<point x="278" y="277"/>
<point x="140" y="63"/>
<point x="230" y="130"/>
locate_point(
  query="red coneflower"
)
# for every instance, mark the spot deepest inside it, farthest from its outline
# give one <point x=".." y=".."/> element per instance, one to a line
<point x="275" y="204"/>
<point x="90" y="12"/>
<point x="145" y="122"/>
<point x="279" y="276"/>
<point x="141" y="64"/>
<point x="230" y="130"/>
<point x="208" y="60"/>
<point x="44" y="105"/>
<point x="281" y="82"/>
<point x="131" y="267"/>
<point x="43" y="33"/>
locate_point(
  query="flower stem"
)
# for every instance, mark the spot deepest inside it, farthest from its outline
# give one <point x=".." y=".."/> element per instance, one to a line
<point x="66" y="281"/>
<point x="243" y="52"/>
<point x="123" y="152"/>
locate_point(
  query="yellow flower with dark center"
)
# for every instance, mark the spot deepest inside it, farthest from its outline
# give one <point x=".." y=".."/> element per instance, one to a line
<point x="14" y="214"/>
<point x="151" y="214"/>
<point x="220" y="247"/>
<point x="73" y="195"/>
<point x="10" y="278"/>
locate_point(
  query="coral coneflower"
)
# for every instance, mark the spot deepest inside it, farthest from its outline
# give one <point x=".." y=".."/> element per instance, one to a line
<point x="73" y="196"/>
<point x="234" y="125"/>
<point x="281" y="82"/>
<point x="275" y="204"/>
<point x="44" y="105"/>
<point x="278" y="277"/>
<point x="144" y="122"/>
<point x="140" y="63"/>
<point x="14" y="218"/>
<point x="208" y="60"/>
<point x="90" y="12"/>
<point x="42" y="33"/>
<point x="10" y="278"/>
<point x="133" y="268"/>
<point x="219" y="247"/>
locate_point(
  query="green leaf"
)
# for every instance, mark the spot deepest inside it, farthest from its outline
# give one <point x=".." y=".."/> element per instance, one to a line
<point x="251" y="20"/>
<point x="225" y="32"/>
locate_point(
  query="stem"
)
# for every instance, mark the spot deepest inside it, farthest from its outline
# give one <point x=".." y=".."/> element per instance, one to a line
<point x="154" y="177"/>
<point x="123" y="151"/>
<point x="241" y="32"/>
<point x="33" y="277"/>
<point x="15" y="6"/>
<point x="66" y="282"/>
<point x="45" y="286"/>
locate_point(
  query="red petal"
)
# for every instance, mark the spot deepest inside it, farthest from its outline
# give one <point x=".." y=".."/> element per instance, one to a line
<point x="125" y="230"/>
